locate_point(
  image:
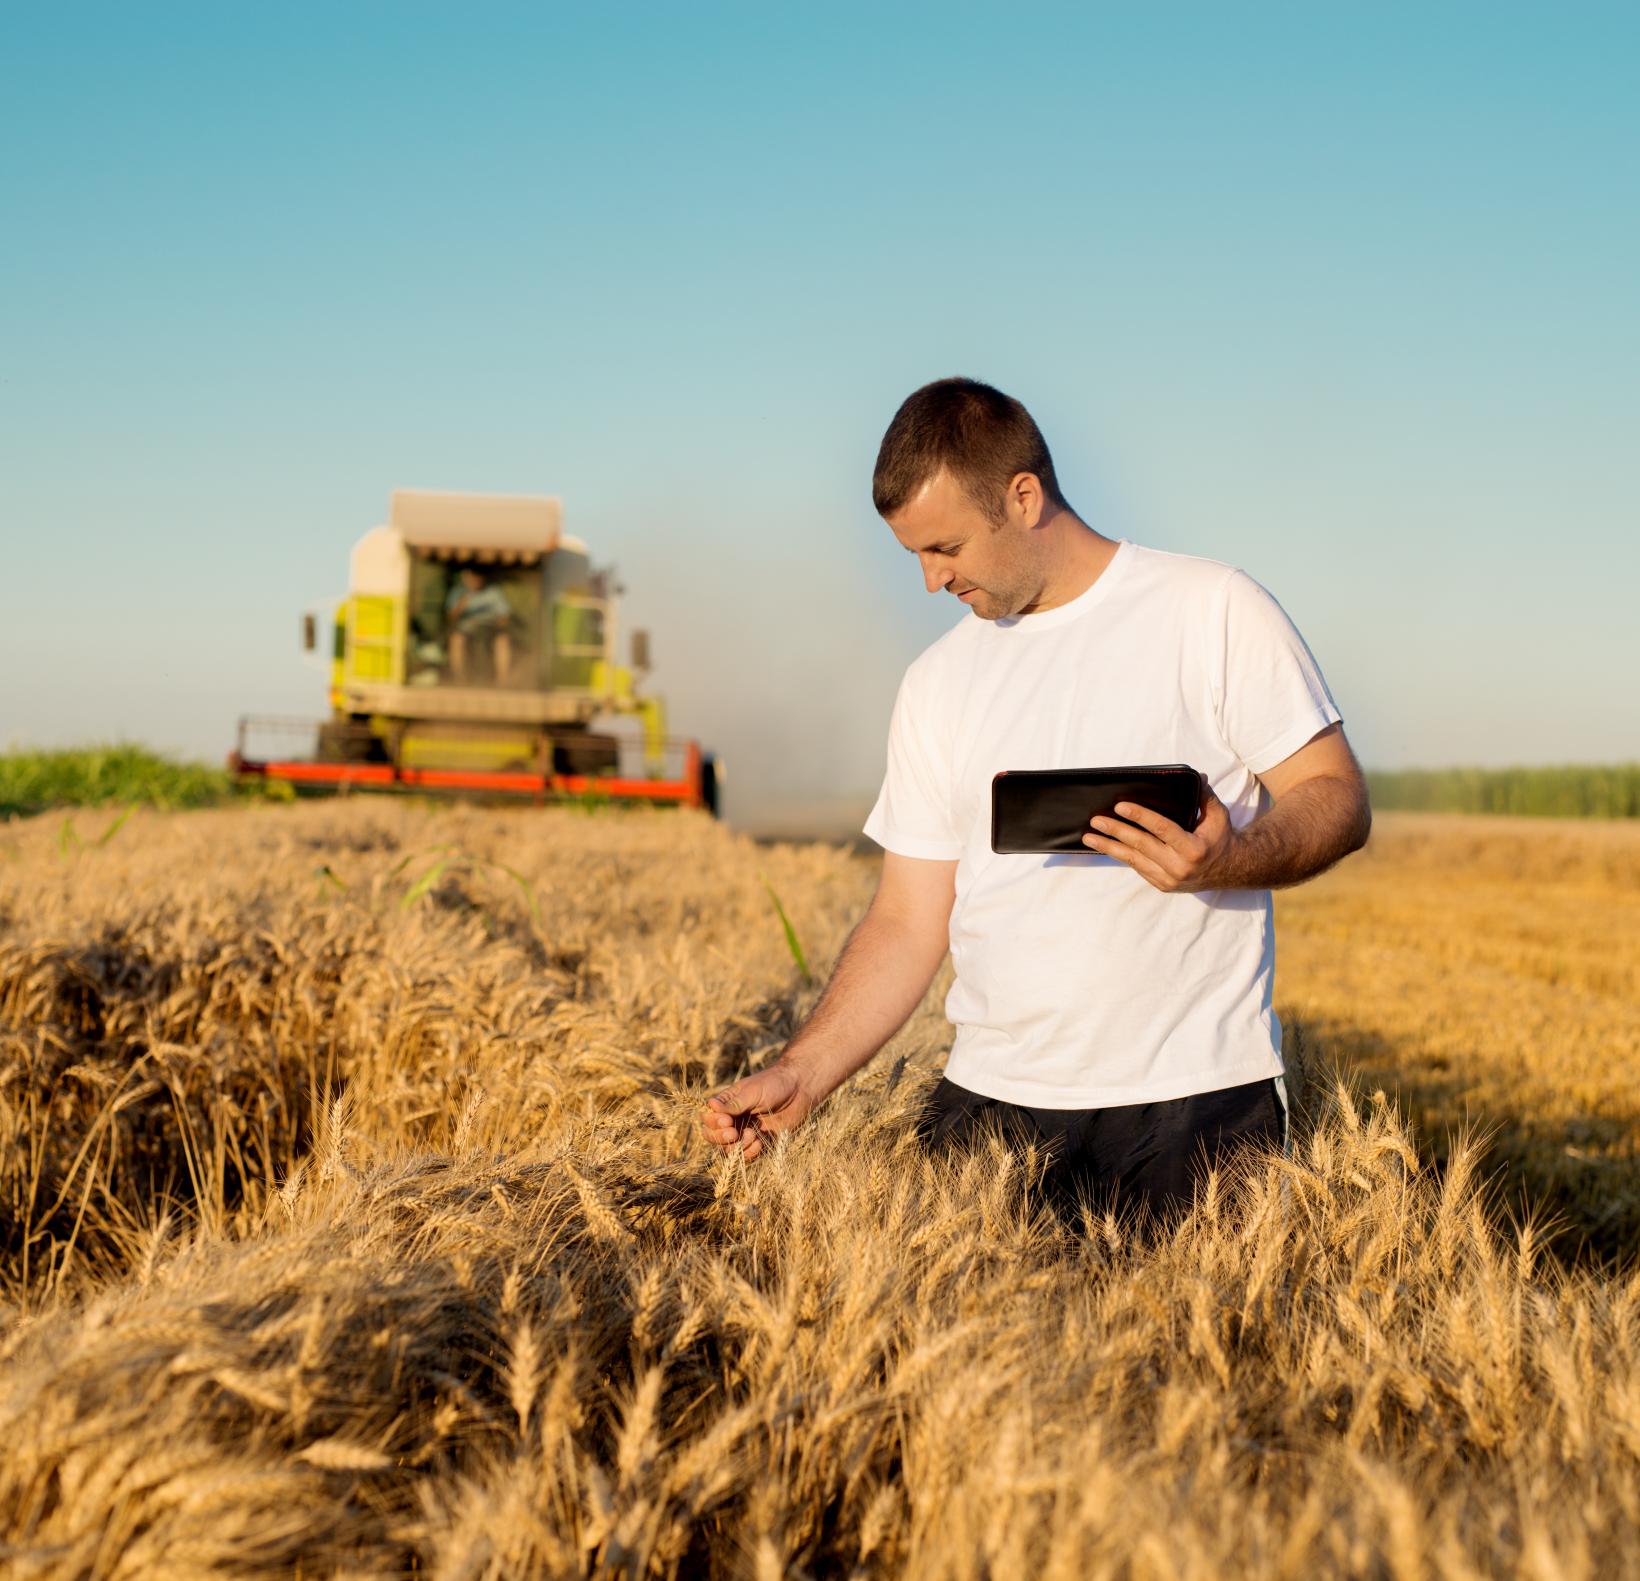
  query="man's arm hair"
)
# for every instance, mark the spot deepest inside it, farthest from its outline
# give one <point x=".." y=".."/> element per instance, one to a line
<point x="881" y="974"/>
<point x="1320" y="814"/>
<point x="1315" y="824"/>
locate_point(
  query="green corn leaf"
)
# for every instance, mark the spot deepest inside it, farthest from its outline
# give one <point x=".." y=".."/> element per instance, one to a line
<point x="425" y="882"/>
<point x="115" y="827"/>
<point x="528" y="891"/>
<point x="791" y="935"/>
<point x="404" y="861"/>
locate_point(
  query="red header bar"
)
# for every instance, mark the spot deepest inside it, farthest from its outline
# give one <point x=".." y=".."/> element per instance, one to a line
<point x="383" y="774"/>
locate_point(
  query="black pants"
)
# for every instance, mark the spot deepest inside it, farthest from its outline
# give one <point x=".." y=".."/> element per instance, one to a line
<point x="1142" y="1159"/>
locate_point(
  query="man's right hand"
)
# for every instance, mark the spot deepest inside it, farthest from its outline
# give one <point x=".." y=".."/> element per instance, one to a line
<point x="756" y="1107"/>
<point x="881" y="975"/>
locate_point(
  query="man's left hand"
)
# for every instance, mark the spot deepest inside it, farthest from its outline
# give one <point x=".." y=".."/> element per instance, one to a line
<point x="1159" y="851"/>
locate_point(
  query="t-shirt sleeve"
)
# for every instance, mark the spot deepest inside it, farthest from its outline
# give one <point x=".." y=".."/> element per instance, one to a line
<point x="1271" y="695"/>
<point x="912" y="816"/>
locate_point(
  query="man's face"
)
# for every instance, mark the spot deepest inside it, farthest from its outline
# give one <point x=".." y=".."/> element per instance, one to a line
<point x="991" y="569"/>
<point x="471" y="580"/>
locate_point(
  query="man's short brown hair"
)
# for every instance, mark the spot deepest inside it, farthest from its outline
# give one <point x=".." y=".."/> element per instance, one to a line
<point x="982" y="437"/>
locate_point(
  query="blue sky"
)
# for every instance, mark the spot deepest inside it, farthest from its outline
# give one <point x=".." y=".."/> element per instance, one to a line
<point x="1346" y="295"/>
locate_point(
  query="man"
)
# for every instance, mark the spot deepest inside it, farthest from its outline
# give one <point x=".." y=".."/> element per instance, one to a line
<point x="478" y="609"/>
<point x="1114" y="1007"/>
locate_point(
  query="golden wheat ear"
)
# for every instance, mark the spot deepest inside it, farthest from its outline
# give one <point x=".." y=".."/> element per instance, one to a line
<point x="341" y="1236"/>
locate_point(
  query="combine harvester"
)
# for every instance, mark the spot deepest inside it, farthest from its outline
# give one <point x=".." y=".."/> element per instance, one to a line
<point x="474" y="655"/>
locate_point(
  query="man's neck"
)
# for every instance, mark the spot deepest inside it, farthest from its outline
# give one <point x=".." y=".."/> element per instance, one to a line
<point x="1077" y="559"/>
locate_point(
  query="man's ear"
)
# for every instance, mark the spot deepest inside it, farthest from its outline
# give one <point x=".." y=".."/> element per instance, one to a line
<point x="1025" y="500"/>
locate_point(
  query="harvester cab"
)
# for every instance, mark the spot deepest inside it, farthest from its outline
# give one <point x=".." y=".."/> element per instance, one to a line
<point x="475" y="652"/>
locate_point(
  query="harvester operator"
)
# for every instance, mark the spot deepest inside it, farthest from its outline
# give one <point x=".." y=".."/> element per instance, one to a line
<point x="1112" y="1007"/>
<point x="478" y="611"/>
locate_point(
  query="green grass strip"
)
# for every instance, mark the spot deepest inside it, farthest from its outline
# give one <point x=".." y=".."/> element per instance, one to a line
<point x="125" y="775"/>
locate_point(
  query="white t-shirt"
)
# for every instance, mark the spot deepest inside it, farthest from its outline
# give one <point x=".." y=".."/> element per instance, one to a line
<point x="1078" y="984"/>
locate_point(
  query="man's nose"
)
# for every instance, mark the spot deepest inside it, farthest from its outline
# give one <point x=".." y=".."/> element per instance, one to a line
<point x="934" y="576"/>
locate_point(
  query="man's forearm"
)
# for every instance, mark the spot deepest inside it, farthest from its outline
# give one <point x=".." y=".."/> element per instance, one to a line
<point x="879" y="979"/>
<point x="1314" y="825"/>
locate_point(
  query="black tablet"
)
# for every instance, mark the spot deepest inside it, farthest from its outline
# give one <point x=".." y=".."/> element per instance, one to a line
<point x="1048" y="810"/>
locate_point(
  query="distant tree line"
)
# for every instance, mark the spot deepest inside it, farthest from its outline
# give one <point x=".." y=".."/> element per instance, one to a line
<point x="1571" y="790"/>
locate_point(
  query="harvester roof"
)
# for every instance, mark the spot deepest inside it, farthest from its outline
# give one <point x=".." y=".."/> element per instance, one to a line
<point x="478" y="526"/>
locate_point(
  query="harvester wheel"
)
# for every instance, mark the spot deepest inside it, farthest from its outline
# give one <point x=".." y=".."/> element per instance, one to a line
<point x="350" y="741"/>
<point x="586" y="754"/>
<point x="709" y="783"/>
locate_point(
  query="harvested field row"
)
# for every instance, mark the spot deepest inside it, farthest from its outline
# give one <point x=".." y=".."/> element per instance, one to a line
<point x="355" y="1223"/>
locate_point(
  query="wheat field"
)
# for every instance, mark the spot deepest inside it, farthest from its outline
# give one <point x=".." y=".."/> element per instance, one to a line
<point x="355" y="1222"/>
